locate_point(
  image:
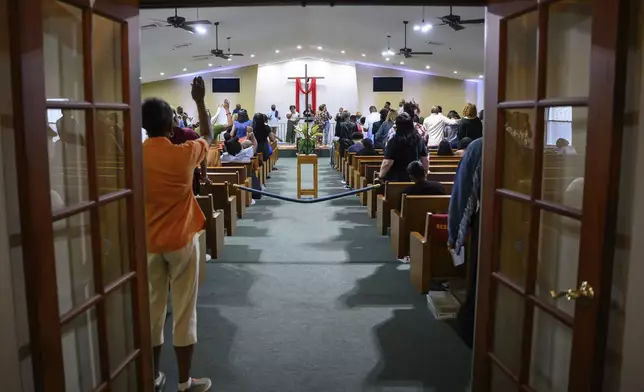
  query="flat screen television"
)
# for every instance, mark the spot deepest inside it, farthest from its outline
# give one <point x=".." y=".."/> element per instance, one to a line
<point x="387" y="84"/>
<point x="225" y="85"/>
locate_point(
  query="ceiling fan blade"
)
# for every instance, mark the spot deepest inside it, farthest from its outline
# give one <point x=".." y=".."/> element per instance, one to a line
<point x="188" y="29"/>
<point x="198" y="22"/>
<point x="456" y="27"/>
<point x="203" y="55"/>
<point x="150" y="26"/>
<point x="423" y="53"/>
<point x="234" y="54"/>
<point x="472" y="21"/>
<point x="159" y="20"/>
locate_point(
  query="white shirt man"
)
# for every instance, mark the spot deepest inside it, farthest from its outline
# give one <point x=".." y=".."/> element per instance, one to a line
<point x="435" y="124"/>
<point x="372" y="118"/>
<point x="273" y="117"/>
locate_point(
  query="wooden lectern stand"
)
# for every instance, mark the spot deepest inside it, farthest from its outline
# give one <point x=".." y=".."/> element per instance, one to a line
<point x="311" y="159"/>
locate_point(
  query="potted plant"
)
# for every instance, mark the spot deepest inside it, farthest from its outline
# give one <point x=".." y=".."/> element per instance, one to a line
<point x="307" y="139"/>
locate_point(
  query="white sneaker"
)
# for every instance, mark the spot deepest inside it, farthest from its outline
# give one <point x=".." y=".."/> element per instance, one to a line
<point x="343" y="181"/>
<point x="405" y="260"/>
<point x="252" y="202"/>
<point x="208" y="257"/>
<point x="199" y="385"/>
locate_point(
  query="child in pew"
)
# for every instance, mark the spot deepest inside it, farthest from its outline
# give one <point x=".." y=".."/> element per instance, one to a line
<point x="239" y="152"/>
<point x="357" y="145"/>
<point x="367" y="148"/>
<point x="422" y="186"/>
<point x="462" y="146"/>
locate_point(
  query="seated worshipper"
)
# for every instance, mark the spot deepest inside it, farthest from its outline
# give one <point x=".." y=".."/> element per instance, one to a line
<point x="357" y="145"/>
<point x="436" y="126"/>
<point x="445" y="149"/>
<point x="405" y="147"/>
<point x="462" y="146"/>
<point x="237" y="108"/>
<point x="236" y="151"/>
<point x="463" y="220"/>
<point x="470" y="126"/>
<point x="422" y="186"/>
<point x="367" y="148"/>
<point x="241" y="125"/>
<point x="173" y="219"/>
<point x="564" y="147"/>
<point x="451" y="131"/>
<point x="181" y="135"/>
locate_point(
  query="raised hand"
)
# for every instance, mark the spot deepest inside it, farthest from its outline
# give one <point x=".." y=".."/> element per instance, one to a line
<point x="198" y="89"/>
<point x="226" y="104"/>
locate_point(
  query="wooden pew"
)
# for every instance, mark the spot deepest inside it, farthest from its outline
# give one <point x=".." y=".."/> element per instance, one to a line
<point x="442" y="168"/>
<point x="223" y="200"/>
<point x="411" y="217"/>
<point x="359" y="165"/>
<point x="347" y="164"/>
<point x="441" y="177"/>
<point x="430" y="258"/>
<point x="231" y="178"/>
<point x="387" y="202"/>
<point x="244" y="169"/>
<point x="215" y="225"/>
<point x="367" y="175"/>
<point x="448" y="187"/>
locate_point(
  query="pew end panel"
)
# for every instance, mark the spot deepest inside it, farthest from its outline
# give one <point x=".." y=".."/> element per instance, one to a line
<point x="430" y="258"/>
<point x="391" y="199"/>
<point x="231" y="178"/>
<point x="222" y="200"/>
<point x="215" y="226"/>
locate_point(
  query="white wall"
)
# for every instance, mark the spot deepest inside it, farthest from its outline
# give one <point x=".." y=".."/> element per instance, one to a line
<point x="338" y="89"/>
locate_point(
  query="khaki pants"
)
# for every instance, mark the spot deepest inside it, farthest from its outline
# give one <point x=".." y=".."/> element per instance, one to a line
<point x="180" y="269"/>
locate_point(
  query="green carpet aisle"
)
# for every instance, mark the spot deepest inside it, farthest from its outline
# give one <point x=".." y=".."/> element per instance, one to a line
<point x="310" y="298"/>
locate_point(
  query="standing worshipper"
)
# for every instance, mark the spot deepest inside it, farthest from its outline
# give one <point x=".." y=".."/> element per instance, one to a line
<point x="405" y="147"/>
<point x="173" y="219"/>
<point x="451" y="131"/>
<point x="241" y="125"/>
<point x="238" y="107"/>
<point x="347" y="128"/>
<point x="376" y="126"/>
<point x="273" y="118"/>
<point x="436" y="126"/>
<point x="338" y="122"/>
<point x="308" y="114"/>
<point x="470" y="126"/>
<point x="382" y="136"/>
<point x="463" y="219"/>
<point x="293" y="118"/>
<point x="387" y="106"/>
<point x="372" y="118"/>
<point x="180" y="135"/>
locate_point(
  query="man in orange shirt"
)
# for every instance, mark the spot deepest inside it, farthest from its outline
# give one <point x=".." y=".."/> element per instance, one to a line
<point x="173" y="219"/>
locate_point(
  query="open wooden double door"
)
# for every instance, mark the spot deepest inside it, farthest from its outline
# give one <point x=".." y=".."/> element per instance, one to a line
<point x="554" y="69"/>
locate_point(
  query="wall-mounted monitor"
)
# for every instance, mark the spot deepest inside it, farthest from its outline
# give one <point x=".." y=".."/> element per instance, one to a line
<point x="226" y="85"/>
<point x="387" y="84"/>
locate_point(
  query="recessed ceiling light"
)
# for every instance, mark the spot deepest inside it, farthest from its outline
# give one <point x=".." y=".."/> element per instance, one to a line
<point x="387" y="59"/>
<point x="277" y="50"/>
<point x="342" y="51"/>
<point x="201" y="30"/>
<point x="210" y="64"/>
<point x="402" y="63"/>
<point x="364" y="55"/>
<point x="427" y="67"/>
<point x="455" y="72"/>
<point x="299" y="46"/>
<point x="480" y="76"/>
<point x="162" y="74"/>
<point x="140" y="77"/>
<point x="185" y="69"/>
<point x="252" y="55"/>
<point x="319" y="48"/>
<point x="416" y="27"/>
<point x="230" y="59"/>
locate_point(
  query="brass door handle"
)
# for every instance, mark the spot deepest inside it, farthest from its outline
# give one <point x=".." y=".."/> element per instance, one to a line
<point x="585" y="290"/>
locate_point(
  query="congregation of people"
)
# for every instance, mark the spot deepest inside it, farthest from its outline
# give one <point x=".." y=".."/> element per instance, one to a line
<point x="179" y="155"/>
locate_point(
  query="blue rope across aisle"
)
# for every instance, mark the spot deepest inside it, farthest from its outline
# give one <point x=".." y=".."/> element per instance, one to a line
<point x="308" y="201"/>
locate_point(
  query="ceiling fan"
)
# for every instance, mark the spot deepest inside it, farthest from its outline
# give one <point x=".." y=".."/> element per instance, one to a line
<point x="455" y="21"/>
<point x="178" y="22"/>
<point x="407" y="52"/>
<point x="218" y="52"/>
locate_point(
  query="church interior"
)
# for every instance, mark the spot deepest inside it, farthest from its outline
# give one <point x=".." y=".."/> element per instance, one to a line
<point x="485" y="263"/>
